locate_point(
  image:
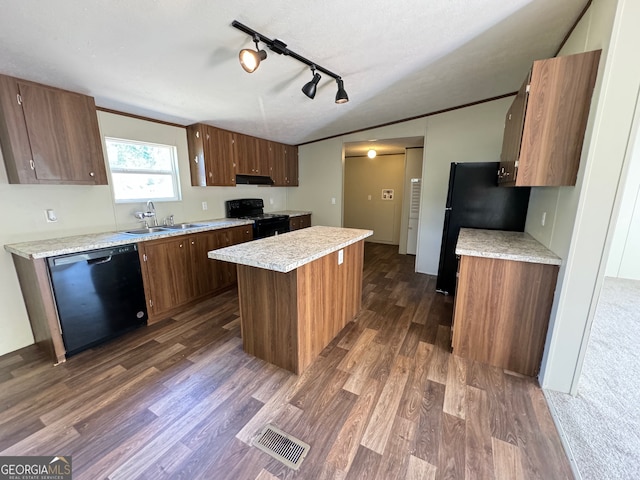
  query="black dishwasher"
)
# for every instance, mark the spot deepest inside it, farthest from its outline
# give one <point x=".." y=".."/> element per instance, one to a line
<point x="99" y="295"/>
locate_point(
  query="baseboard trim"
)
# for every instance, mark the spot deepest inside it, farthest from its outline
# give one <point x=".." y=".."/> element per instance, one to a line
<point x="563" y="437"/>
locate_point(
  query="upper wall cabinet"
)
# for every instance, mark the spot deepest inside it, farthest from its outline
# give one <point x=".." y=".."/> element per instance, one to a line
<point x="217" y="155"/>
<point x="48" y="135"/>
<point x="212" y="156"/>
<point x="545" y="126"/>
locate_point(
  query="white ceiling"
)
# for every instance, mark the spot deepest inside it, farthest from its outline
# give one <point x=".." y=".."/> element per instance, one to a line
<point x="178" y="60"/>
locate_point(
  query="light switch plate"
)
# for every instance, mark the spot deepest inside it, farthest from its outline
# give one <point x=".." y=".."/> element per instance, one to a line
<point x="50" y="215"/>
<point x="205" y="206"/>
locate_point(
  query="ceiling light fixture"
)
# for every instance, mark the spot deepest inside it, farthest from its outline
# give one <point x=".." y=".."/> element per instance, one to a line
<point x="309" y="88"/>
<point x="371" y="153"/>
<point x="250" y="60"/>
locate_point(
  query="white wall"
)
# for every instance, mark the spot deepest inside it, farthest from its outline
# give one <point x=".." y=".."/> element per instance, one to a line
<point x="472" y="134"/>
<point x="624" y="255"/>
<point x="582" y="214"/>
<point x="90" y="209"/>
<point x="364" y="207"/>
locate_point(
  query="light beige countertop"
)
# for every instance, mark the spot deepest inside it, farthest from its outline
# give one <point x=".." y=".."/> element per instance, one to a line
<point x="517" y="246"/>
<point x="81" y="243"/>
<point x="288" y="251"/>
<point x="292" y="213"/>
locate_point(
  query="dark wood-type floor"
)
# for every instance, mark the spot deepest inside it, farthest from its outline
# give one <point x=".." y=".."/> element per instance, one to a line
<point x="386" y="399"/>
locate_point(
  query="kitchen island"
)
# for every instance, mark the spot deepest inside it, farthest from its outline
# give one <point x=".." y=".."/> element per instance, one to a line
<point x="297" y="291"/>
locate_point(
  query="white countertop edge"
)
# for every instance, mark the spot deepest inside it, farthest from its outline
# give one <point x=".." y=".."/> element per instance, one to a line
<point x="292" y="213"/>
<point x="546" y="260"/>
<point x="92" y="241"/>
<point x="286" y="268"/>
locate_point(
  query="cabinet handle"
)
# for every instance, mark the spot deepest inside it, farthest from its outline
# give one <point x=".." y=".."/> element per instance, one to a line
<point x="181" y="245"/>
<point x="192" y="242"/>
<point x="92" y="174"/>
<point x="32" y="164"/>
<point x="195" y="159"/>
<point x="197" y="134"/>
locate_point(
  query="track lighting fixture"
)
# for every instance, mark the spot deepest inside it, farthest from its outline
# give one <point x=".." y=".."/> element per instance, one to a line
<point x="372" y="153"/>
<point x="250" y="60"/>
<point x="309" y="88"/>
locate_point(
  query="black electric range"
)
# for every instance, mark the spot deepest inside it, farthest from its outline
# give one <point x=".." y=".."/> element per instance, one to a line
<point x="264" y="224"/>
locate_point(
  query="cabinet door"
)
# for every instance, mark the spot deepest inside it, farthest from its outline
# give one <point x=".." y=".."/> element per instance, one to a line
<point x="168" y="273"/>
<point x="233" y="236"/>
<point x="294" y="223"/>
<point x="63" y="134"/>
<point x="261" y="159"/>
<point x="220" y="157"/>
<point x="277" y="164"/>
<point x="512" y="140"/>
<point x="291" y="165"/>
<point x="195" y="141"/>
<point x="208" y="274"/>
<point x="305" y="221"/>
<point x="246" y="154"/>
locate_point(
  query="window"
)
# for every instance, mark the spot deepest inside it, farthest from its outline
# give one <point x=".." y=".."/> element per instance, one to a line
<point x="142" y="171"/>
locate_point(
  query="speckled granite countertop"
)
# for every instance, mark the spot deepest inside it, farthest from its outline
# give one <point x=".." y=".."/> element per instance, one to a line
<point x="292" y="213"/>
<point x="518" y="246"/>
<point x="81" y="243"/>
<point x="289" y="251"/>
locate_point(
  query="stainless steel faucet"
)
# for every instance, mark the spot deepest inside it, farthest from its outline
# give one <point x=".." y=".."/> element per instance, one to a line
<point x="151" y="212"/>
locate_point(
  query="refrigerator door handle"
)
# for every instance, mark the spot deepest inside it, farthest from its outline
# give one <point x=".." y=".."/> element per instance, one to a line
<point x="448" y="209"/>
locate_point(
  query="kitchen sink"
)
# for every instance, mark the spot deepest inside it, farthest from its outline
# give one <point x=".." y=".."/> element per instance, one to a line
<point x="142" y="231"/>
<point x="182" y="226"/>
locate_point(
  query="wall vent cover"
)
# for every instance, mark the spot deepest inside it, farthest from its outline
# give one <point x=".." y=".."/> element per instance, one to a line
<point x="281" y="446"/>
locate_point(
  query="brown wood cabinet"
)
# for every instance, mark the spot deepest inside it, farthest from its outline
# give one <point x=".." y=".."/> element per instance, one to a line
<point x="176" y="271"/>
<point x="299" y="221"/>
<point x="48" y="135"/>
<point x="212" y="156"/>
<point x="502" y="310"/>
<point x="545" y="126"/>
<point x="217" y="155"/>
<point x="291" y="165"/>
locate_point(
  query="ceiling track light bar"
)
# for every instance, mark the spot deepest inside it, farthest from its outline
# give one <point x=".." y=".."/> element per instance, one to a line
<point x="280" y="48"/>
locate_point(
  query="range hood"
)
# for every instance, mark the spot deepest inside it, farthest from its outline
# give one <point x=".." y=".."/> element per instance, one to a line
<point x="253" y="180"/>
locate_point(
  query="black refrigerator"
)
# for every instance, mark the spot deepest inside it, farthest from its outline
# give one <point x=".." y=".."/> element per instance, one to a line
<point x="474" y="200"/>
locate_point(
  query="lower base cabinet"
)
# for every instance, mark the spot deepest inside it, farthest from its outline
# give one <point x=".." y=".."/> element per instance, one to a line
<point x="300" y="221"/>
<point x="176" y="271"/>
<point x="502" y="310"/>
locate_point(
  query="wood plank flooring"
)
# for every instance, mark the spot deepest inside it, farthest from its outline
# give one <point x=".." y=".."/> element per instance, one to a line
<point x="385" y="400"/>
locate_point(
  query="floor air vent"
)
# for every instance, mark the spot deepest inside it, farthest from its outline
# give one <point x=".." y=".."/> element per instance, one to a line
<point x="281" y="446"/>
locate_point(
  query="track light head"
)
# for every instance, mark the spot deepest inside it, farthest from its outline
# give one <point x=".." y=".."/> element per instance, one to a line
<point x="250" y="59"/>
<point x="309" y="88"/>
<point x="341" y="95"/>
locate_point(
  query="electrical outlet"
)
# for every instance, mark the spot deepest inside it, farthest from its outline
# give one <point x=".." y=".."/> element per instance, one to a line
<point x="50" y="215"/>
<point x="333" y="200"/>
<point x="271" y="201"/>
<point x="544" y="218"/>
<point x="368" y="197"/>
<point x="205" y="206"/>
<point x="340" y="257"/>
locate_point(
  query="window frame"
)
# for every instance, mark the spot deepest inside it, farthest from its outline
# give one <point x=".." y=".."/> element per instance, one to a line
<point x="174" y="172"/>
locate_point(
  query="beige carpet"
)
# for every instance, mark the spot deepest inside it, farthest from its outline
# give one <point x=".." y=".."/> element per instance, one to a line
<point x="602" y="423"/>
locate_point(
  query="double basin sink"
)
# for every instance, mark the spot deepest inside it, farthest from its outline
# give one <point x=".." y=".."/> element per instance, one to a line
<point x="165" y="228"/>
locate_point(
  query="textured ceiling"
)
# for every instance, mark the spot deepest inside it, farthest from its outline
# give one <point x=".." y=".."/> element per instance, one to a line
<point x="178" y="60"/>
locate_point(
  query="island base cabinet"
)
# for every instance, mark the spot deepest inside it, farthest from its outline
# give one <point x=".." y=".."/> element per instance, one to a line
<point x="502" y="310"/>
<point x="288" y="318"/>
